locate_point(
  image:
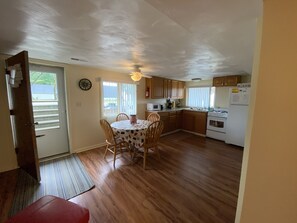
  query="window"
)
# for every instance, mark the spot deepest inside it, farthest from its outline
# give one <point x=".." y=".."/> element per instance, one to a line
<point x="201" y="97"/>
<point x="45" y="101"/>
<point x="118" y="97"/>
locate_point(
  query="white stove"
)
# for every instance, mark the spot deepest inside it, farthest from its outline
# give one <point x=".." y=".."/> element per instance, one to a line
<point x="216" y="124"/>
<point x="218" y="113"/>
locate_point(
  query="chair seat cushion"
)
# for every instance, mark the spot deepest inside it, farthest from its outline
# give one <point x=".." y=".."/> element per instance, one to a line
<point x="51" y="209"/>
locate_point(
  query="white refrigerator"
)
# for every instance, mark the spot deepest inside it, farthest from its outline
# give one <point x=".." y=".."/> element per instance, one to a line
<point x="237" y="115"/>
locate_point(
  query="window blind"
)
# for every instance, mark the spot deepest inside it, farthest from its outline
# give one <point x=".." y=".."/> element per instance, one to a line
<point x="199" y="97"/>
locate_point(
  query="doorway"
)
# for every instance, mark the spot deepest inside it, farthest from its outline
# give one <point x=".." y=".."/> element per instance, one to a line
<point x="49" y="110"/>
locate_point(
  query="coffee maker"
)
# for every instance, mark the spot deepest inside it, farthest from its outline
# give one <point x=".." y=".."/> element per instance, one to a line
<point x="168" y="103"/>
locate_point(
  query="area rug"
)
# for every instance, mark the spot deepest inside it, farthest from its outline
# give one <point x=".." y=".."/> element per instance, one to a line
<point x="64" y="177"/>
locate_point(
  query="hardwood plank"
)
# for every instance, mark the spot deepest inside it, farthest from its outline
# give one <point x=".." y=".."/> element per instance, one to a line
<point x="197" y="180"/>
<point x="8" y="182"/>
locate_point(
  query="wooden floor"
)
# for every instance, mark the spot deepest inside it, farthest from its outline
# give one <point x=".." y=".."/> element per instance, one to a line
<point x="197" y="180"/>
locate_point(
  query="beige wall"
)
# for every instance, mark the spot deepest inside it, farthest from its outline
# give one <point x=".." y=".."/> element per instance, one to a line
<point x="270" y="193"/>
<point x="7" y="154"/>
<point x="84" y="109"/>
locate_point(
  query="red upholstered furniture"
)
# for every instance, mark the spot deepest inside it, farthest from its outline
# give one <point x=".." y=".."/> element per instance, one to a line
<point x="50" y="209"/>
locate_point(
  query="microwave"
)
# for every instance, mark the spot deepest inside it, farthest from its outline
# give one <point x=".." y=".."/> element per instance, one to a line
<point x="153" y="107"/>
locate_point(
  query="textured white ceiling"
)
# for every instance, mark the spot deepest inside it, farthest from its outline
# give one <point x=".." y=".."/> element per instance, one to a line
<point x="180" y="39"/>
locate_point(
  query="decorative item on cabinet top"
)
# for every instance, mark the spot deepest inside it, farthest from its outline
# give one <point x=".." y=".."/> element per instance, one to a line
<point x="159" y="88"/>
<point x="226" y="81"/>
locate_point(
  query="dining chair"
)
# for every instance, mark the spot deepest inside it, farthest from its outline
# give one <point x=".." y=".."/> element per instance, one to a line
<point x="113" y="143"/>
<point x="122" y="116"/>
<point x="152" y="137"/>
<point x="153" y="117"/>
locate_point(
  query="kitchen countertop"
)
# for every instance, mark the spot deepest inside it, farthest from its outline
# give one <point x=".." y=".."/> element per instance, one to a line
<point x="180" y="109"/>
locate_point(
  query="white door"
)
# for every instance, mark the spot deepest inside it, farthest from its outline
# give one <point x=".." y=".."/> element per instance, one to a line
<point x="49" y="110"/>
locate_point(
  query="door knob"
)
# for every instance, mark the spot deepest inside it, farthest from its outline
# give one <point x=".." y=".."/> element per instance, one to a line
<point x="38" y="136"/>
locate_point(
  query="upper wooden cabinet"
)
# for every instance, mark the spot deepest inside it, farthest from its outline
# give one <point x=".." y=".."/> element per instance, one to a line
<point x="167" y="88"/>
<point x="226" y="81"/>
<point x="174" y="89"/>
<point x="157" y="88"/>
<point x="154" y="87"/>
<point x="181" y="89"/>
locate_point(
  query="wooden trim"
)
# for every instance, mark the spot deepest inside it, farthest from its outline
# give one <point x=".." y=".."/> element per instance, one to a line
<point x="195" y="133"/>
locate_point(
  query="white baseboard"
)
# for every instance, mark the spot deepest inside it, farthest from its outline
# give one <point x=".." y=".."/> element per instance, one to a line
<point x="89" y="148"/>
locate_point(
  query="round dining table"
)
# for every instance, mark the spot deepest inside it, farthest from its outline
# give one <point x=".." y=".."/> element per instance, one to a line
<point x="134" y="134"/>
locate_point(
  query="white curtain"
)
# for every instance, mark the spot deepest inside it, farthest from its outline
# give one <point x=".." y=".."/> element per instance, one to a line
<point x="128" y="98"/>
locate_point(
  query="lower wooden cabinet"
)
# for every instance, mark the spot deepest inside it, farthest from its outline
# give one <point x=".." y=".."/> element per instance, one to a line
<point x="179" y="119"/>
<point x="200" y="123"/>
<point x="188" y="121"/>
<point x="172" y="121"/>
<point x="164" y="116"/>
<point x="193" y="121"/>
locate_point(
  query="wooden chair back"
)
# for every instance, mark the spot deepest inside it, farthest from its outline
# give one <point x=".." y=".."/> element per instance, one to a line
<point x="122" y="116"/>
<point x="153" y="117"/>
<point x="153" y="134"/>
<point x="109" y="135"/>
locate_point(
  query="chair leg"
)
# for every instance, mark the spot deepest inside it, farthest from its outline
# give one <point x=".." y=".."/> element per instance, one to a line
<point x="114" y="155"/>
<point x="144" y="157"/>
<point x="105" y="152"/>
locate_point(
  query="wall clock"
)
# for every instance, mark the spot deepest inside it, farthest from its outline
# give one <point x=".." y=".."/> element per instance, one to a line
<point x="85" y="84"/>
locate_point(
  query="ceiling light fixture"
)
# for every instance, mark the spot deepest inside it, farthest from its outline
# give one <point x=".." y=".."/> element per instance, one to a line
<point x="196" y="79"/>
<point x="136" y="75"/>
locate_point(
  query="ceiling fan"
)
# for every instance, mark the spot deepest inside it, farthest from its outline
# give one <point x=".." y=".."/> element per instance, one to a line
<point x="136" y="75"/>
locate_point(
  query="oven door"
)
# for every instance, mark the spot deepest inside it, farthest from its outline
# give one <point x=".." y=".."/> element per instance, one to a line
<point x="217" y="124"/>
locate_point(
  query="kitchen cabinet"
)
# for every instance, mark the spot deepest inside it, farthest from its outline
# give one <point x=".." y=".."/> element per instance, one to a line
<point x="158" y="88"/>
<point x="179" y="116"/>
<point x="188" y="121"/>
<point x="174" y="89"/>
<point x="154" y="88"/>
<point x="200" y="123"/>
<point x="171" y="120"/>
<point x="194" y="121"/>
<point x="181" y="89"/>
<point x="164" y="116"/>
<point x="177" y="91"/>
<point x="226" y="81"/>
<point x="167" y="88"/>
